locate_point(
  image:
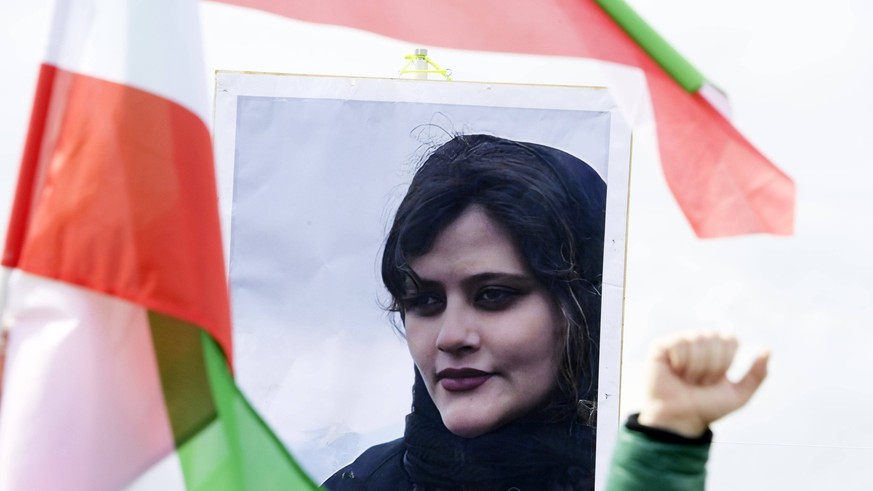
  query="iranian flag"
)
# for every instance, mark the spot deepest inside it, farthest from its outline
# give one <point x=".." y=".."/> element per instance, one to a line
<point x="720" y="181"/>
<point x="118" y="369"/>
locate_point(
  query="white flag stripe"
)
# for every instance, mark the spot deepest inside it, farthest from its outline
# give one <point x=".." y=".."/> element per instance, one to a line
<point x="153" y="46"/>
<point x="166" y="475"/>
<point x="83" y="406"/>
<point x="717" y="98"/>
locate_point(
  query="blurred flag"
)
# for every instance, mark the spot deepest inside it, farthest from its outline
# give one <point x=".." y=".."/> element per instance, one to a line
<point x="721" y="182"/>
<point x="116" y="372"/>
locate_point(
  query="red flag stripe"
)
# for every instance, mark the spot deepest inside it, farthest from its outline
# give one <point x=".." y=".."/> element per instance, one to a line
<point x="557" y="27"/>
<point x="723" y="184"/>
<point x="699" y="148"/>
<point x="125" y="196"/>
<point x="26" y="188"/>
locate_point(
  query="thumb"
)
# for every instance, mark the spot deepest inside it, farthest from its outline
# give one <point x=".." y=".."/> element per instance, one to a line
<point x="750" y="382"/>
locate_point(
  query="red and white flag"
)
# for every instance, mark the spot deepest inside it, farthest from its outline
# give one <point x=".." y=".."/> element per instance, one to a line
<point x="116" y="371"/>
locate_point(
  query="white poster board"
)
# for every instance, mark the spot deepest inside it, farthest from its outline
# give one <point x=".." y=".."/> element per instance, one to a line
<point x="311" y="170"/>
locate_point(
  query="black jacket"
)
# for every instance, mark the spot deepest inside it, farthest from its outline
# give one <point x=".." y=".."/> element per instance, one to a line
<point x="379" y="468"/>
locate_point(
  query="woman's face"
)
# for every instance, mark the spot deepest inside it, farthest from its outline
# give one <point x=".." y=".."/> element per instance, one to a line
<point x="482" y="331"/>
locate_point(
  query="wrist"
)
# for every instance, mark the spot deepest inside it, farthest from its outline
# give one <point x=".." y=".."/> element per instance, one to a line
<point x="665" y="436"/>
<point x="687" y="426"/>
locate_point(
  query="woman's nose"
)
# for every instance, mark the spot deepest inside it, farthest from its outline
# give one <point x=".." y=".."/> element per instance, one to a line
<point x="458" y="329"/>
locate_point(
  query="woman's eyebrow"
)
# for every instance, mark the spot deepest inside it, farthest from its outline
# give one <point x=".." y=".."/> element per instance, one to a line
<point x="490" y="276"/>
<point x="520" y="279"/>
<point x="423" y="284"/>
<point x="414" y="283"/>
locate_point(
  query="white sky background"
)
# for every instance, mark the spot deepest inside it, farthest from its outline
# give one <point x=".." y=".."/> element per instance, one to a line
<point x="799" y="76"/>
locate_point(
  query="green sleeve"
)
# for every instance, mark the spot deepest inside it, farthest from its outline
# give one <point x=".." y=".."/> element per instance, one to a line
<point x="641" y="463"/>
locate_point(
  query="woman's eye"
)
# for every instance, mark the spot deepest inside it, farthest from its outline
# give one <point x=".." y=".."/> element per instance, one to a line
<point x="496" y="298"/>
<point x="423" y="304"/>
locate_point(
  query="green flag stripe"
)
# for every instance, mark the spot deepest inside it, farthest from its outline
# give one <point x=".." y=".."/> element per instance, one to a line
<point x="668" y="58"/>
<point x="204" y="460"/>
<point x="222" y="444"/>
<point x="254" y="458"/>
<point x="182" y="370"/>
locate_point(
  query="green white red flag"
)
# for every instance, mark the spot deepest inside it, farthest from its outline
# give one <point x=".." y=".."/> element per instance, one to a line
<point x="722" y="183"/>
<point x="117" y="370"/>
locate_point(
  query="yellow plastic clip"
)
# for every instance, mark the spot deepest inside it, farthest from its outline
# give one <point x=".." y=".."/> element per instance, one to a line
<point x="422" y="66"/>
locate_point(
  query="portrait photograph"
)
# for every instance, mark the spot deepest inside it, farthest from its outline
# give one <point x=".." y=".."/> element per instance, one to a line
<point x="422" y="270"/>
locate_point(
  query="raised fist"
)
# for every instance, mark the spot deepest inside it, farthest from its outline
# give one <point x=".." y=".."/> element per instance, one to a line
<point x="687" y="384"/>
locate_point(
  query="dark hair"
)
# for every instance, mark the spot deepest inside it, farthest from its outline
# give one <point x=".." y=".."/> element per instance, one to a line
<point x="553" y="206"/>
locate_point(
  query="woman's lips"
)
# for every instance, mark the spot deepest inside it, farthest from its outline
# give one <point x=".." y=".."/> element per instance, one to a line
<point x="462" y="379"/>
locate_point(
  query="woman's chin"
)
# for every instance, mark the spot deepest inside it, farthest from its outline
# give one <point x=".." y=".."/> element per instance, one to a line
<point x="466" y="427"/>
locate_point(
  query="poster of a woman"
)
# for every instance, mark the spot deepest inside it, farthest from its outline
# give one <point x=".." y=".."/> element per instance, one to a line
<point x="502" y="273"/>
